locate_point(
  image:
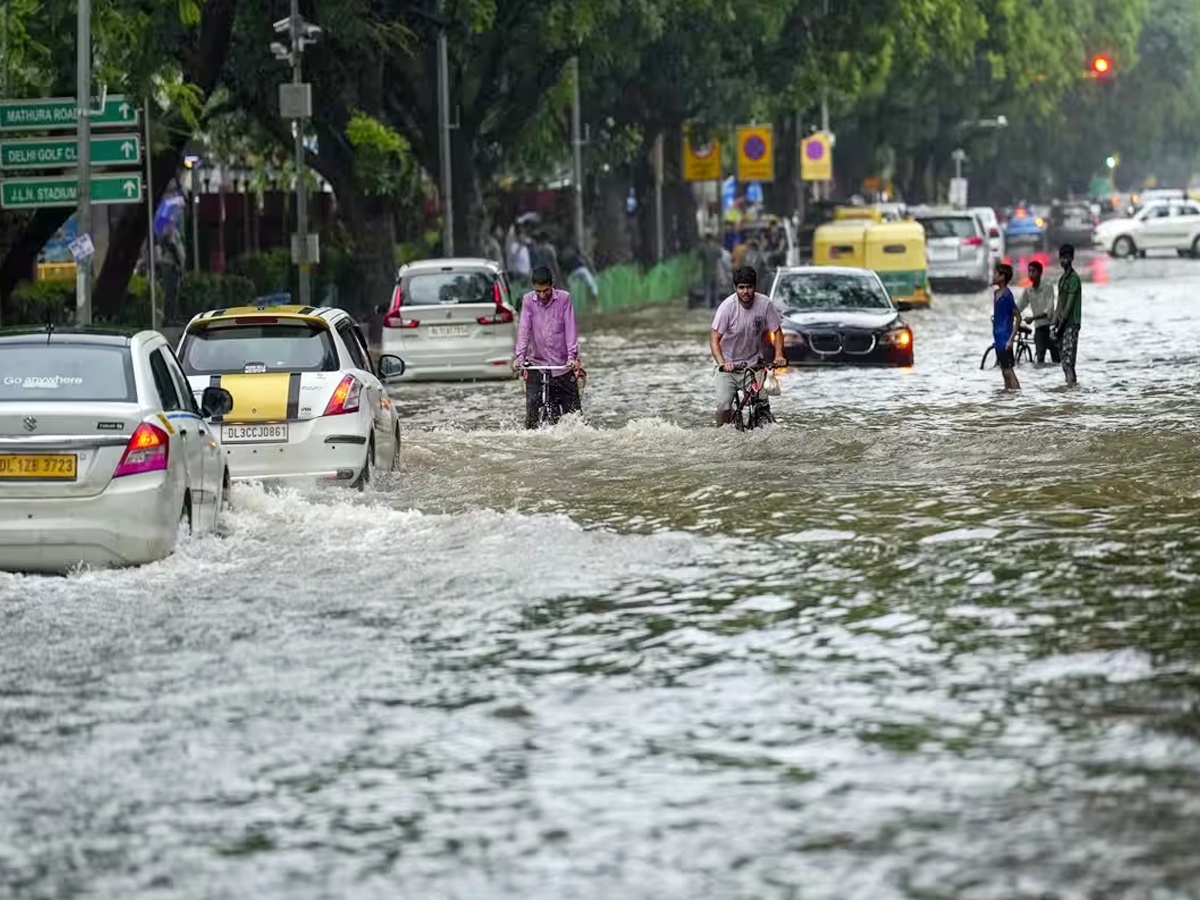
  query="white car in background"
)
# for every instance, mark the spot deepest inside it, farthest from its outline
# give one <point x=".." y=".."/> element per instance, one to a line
<point x="308" y="404"/>
<point x="104" y="450"/>
<point x="1161" y="225"/>
<point x="995" y="235"/>
<point x="451" y="319"/>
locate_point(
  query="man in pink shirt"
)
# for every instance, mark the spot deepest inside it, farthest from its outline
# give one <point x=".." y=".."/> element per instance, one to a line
<point x="739" y="336"/>
<point x="548" y="337"/>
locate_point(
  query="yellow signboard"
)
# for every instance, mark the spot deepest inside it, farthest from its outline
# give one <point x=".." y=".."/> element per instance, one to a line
<point x="755" y="153"/>
<point x="816" y="158"/>
<point x="703" y="162"/>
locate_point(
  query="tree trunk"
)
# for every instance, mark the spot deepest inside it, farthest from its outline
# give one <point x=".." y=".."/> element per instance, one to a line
<point x="611" y="223"/>
<point x="201" y="68"/>
<point x="18" y="264"/>
<point x="374" y="234"/>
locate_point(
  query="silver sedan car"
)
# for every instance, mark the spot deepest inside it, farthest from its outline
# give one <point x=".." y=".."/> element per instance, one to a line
<point x="451" y="319"/>
<point x="104" y="450"/>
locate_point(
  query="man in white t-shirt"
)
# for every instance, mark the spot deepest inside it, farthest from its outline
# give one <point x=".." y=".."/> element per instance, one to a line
<point x="739" y="336"/>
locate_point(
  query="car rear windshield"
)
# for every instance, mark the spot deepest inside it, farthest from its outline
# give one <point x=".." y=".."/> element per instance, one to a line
<point x="948" y="227"/>
<point x="820" y="290"/>
<point x="80" y="372"/>
<point x="279" y="347"/>
<point x="437" y="288"/>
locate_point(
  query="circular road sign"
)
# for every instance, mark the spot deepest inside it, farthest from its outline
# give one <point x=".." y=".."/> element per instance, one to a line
<point x="755" y="147"/>
<point x="814" y="150"/>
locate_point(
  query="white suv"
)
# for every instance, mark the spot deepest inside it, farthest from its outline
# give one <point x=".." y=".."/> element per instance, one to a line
<point x="956" y="247"/>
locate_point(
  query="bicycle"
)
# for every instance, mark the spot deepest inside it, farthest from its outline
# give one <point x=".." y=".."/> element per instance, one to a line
<point x="548" y="412"/>
<point x="1021" y="349"/>
<point x="750" y="408"/>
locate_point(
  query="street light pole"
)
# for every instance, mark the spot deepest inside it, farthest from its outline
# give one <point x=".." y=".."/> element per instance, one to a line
<point x="301" y="193"/>
<point x="577" y="146"/>
<point x="443" y="54"/>
<point x="83" y="100"/>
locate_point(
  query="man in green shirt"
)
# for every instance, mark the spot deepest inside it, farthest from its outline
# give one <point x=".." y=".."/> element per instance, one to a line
<point x="1067" y="313"/>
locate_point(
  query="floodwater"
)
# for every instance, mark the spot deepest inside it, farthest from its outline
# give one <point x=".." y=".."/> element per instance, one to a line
<point x="921" y="640"/>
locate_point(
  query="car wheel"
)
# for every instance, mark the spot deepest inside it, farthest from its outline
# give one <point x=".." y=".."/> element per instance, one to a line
<point x="1124" y="246"/>
<point x="367" y="475"/>
<point x="1196" y="248"/>
<point x="226" y="488"/>
<point x="395" y="451"/>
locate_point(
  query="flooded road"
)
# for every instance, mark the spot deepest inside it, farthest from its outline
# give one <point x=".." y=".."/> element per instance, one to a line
<point x="921" y="640"/>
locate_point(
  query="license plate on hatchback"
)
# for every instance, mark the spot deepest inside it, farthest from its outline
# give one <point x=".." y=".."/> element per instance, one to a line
<point x="445" y="331"/>
<point x="943" y="254"/>
<point x="42" y="467"/>
<point x="274" y="433"/>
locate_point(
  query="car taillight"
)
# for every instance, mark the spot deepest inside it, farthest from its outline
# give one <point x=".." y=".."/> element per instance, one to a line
<point x="503" y="314"/>
<point x="972" y="241"/>
<point x="345" y="397"/>
<point x="394" y="319"/>
<point x="147" y="451"/>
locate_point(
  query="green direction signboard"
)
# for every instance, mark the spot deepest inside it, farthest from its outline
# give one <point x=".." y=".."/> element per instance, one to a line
<point x="59" y="114"/>
<point x="56" y="153"/>
<point x="32" y="193"/>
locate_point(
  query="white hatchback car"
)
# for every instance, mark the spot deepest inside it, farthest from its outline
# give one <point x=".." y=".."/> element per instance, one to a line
<point x="103" y="449"/>
<point x="308" y="404"/>
<point x="452" y="319"/>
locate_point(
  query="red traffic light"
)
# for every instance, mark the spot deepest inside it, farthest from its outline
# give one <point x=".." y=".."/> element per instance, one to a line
<point x="1101" y="65"/>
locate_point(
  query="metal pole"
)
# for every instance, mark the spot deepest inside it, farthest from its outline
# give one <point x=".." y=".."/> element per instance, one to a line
<point x="659" y="241"/>
<point x="150" y="263"/>
<point x="301" y="193"/>
<point x="195" y="198"/>
<point x="577" y="144"/>
<point x="444" y="133"/>
<point x="83" y="99"/>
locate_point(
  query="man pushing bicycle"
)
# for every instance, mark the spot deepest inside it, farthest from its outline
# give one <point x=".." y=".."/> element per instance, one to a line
<point x="549" y="341"/>
<point x="739" y="331"/>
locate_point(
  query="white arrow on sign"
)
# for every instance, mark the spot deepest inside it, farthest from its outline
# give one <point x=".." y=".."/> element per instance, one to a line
<point x="124" y="107"/>
<point x="130" y="188"/>
<point x="127" y="149"/>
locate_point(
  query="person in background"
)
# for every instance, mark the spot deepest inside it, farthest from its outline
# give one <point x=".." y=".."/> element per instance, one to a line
<point x="1038" y="299"/>
<point x="517" y="260"/>
<point x="1068" y="312"/>
<point x="548" y="337"/>
<point x="1006" y="319"/>
<point x="710" y="266"/>
<point x="577" y="265"/>
<point x="542" y="255"/>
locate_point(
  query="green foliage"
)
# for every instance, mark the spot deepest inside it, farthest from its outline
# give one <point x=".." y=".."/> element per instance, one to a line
<point x="53" y="301"/>
<point x="202" y="291"/>
<point x="383" y="161"/>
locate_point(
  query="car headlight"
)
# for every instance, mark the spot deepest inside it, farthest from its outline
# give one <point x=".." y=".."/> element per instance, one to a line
<point x="899" y="336"/>
<point x="793" y="339"/>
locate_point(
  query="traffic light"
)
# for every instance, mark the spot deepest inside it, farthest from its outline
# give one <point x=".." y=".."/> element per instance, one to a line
<point x="1101" y="66"/>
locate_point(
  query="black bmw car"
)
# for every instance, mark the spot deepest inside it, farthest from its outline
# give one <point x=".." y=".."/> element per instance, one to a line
<point x="840" y="316"/>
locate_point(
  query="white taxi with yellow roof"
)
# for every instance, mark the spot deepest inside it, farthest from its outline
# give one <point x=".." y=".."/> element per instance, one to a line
<point x="308" y="403"/>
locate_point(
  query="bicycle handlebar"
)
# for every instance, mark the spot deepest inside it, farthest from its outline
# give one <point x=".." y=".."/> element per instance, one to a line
<point x="749" y="367"/>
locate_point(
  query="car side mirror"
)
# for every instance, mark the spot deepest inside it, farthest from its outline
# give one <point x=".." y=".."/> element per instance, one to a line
<point x="215" y="401"/>
<point x="391" y="368"/>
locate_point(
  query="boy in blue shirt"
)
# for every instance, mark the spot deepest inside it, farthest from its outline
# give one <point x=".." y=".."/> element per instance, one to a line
<point x="1006" y="319"/>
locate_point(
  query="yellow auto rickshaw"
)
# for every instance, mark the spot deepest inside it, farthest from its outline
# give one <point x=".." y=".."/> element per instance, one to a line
<point x="896" y="252"/>
<point x="841" y="244"/>
<point x="857" y="214"/>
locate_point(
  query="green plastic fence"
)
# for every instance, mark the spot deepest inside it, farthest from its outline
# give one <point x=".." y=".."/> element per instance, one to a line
<point x="628" y="287"/>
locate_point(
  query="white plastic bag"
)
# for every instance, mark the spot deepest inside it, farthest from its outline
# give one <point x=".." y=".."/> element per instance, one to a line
<point x="770" y="384"/>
